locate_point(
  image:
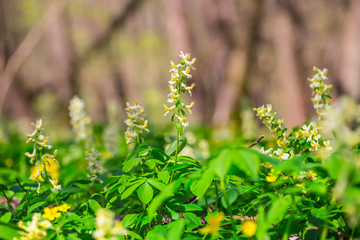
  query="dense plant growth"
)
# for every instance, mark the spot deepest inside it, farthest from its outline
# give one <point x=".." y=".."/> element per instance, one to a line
<point x="158" y="185"/>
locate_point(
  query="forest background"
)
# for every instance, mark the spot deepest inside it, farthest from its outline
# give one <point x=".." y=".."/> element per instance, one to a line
<point x="108" y="52"/>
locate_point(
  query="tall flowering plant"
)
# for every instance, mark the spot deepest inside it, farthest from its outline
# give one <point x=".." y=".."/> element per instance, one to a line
<point x="178" y="86"/>
<point x="180" y="73"/>
<point x="46" y="165"/>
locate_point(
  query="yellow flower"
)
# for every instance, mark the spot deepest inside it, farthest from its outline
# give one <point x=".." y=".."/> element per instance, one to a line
<point x="52" y="168"/>
<point x="271" y="178"/>
<point x="312" y="174"/>
<point x="51" y="213"/>
<point x="63" y="207"/>
<point x="213" y="225"/>
<point x="249" y="228"/>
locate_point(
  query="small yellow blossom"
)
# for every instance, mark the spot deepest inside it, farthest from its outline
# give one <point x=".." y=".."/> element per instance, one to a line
<point x="63" y="207"/>
<point x="52" y="167"/>
<point x="312" y="174"/>
<point x="271" y="178"/>
<point x="249" y="228"/>
<point x="51" y="213"/>
<point x="213" y="225"/>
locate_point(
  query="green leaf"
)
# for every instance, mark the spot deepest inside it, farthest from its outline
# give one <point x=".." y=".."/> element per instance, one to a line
<point x="153" y="162"/>
<point x="134" y="235"/>
<point x="32" y="207"/>
<point x="247" y="161"/>
<point x="128" y="220"/>
<point x="129" y="164"/>
<point x="74" y="190"/>
<point x="115" y="187"/>
<point x="6" y="217"/>
<point x="200" y="187"/>
<point x="108" y="181"/>
<point x="179" y="167"/>
<point x="262" y="230"/>
<point x="81" y="181"/>
<point x="173" y="214"/>
<point x="172" y="148"/>
<point x="278" y="209"/>
<point x="176" y="229"/>
<point x="94" y="205"/>
<point x="145" y="193"/>
<point x="221" y="163"/>
<point x="192" y="218"/>
<point x="8" y="232"/>
<point x="159" y="185"/>
<point x="162" y="196"/>
<point x="164" y="177"/>
<point x="131" y="189"/>
<point x="190" y="207"/>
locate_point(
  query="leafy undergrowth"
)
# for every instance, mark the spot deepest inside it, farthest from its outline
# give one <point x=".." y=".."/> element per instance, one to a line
<point x="144" y="184"/>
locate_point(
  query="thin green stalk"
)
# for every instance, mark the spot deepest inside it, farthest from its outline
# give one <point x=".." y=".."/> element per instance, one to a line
<point x="324" y="233"/>
<point x="8" y="201"/>
<point x="206" y="204"/>
<point x="229" y="208"/>
<point x="176" y="152"/>
<point x="287" y="229"/>
<point x="217" y="197"/>
<point x="352" y="233"/>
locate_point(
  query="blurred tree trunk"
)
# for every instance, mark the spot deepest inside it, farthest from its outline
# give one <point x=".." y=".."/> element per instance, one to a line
<point x="176" y="27"/>
<point x="287" y="81"/>
<point x="349" y="63"/>
<point x="214" y="46"/>
<point x="17" y="102"/>
<point x="239" y="67"/>
<point x="61" y="54"/>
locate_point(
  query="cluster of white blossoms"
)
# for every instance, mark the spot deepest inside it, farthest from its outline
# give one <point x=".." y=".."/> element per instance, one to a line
<point x="177" y="85"/>
<point x="43" y="161"/>
<point x="106" y="227"/>
<point x="36" y="229"/>
<point x="307" y="137"/>
<point x="321" y="92"/>
<point x="310" y="133"/>
<point x="275" y="125"/>
<point x="79" y="119"/>
<point x="135" y="122"/>
<point x="94" y="166"/>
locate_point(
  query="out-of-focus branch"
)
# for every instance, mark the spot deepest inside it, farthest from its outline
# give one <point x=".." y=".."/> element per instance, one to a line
<point x="115" y="24"/>
<point x="256" y="142"/>
<point x="102" y="41"/>
<point x="25" y="49"/>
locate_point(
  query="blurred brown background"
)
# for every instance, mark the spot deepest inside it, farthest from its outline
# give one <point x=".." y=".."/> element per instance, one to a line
<point x="249" y="53"/>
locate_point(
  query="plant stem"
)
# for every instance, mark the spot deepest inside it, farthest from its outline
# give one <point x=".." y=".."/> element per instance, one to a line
<point x="217" y="197"/>
<point x="22" y="187"/>
<point x="176" y="152"/>
<point x="228" y="207"/>
<point x="287" y="230"/>
<point x="324" y="233"/>
<point x="352" y="233"/>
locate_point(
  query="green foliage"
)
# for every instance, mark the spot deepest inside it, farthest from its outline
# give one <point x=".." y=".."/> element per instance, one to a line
<point x="154" y="191"/>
